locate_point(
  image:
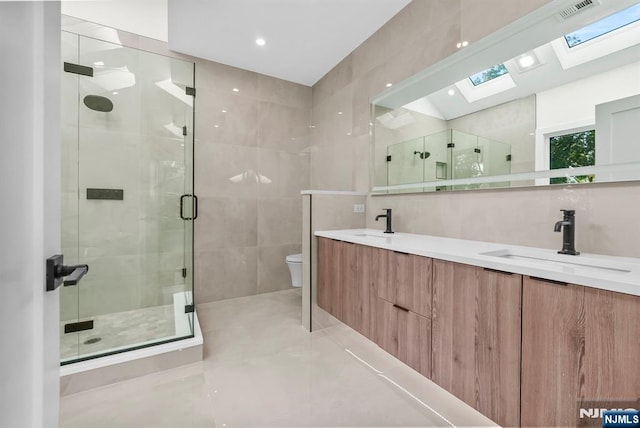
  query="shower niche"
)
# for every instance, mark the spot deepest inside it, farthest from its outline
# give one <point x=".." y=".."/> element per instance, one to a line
<point x="127" y="204"/>
<point x="446" y="155"/>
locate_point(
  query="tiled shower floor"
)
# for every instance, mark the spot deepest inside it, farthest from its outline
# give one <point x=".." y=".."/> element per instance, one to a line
<point x="118" y="330"/>
<point x="262" y="369"/>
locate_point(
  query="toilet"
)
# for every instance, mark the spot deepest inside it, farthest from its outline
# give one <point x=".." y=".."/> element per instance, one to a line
<point x="294" y="261"/>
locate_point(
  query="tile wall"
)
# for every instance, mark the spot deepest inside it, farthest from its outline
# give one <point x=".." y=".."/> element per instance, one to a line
<point x="252" y="161"/>
<point x="420" y="35"/>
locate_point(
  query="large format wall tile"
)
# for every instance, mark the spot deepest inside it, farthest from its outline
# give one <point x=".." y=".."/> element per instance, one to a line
<point x="285" y="93"/>
<point x="225" y="170"/>
<point x="226" y="274"/>
<point x="251" y="162"/>
<point x="226" y="222"/>
<point x="226" y="117"/>
<point x="224" y="78"/>
<point x="283" y="128"/>
<point x="279" y="221"/>
<point x="285" y="174"/>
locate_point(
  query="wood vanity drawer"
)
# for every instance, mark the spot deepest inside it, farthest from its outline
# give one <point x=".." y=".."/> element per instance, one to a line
<point x="408" y="282"/>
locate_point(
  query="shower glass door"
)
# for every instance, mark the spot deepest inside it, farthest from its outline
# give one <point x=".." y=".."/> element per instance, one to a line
<point x="127" y="204"/>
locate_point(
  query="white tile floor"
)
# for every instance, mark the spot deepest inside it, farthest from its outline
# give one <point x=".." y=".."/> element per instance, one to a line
<point x="262" y="369"/>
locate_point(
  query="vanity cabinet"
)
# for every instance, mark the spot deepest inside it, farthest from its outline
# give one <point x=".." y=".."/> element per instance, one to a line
<point x="348" y="278"/>
<point x="476" y="338"/>
<point x="523" y="351"/>
<point x="580" y="345"/>
<point x="404" y="310"/>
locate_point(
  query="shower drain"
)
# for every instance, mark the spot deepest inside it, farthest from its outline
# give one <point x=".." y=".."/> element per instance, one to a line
<point x="92" y="340"/>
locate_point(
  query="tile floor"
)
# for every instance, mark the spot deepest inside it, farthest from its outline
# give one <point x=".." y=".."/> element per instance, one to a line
<point x="262" y="369"/>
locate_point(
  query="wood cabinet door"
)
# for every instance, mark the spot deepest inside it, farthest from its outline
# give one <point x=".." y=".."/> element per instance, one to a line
<point x="387" y="326"/>
<point x="409" y="282"/>
<point x="405" y="335"/>
<point x="580" y="346"/>
<point x="476" y="318"/>
<point x="371" y="273"/>
<point x="330" y="276"/>
<point x="414" y="341"/>
<point x="347" y="300"/>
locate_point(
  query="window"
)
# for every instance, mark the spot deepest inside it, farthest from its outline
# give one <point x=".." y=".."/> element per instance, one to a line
<point x="488" y="74"/>
<point x="572" y="150"/>
<point x="606" y="25"/>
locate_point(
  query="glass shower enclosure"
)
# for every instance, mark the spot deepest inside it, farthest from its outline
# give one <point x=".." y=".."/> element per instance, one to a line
<point x="127" y="197"/>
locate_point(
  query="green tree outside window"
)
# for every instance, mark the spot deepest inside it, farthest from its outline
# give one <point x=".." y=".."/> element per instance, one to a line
<point x="573" y="150"/>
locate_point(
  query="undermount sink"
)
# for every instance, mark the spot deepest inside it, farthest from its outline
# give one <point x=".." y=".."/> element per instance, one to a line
<point x="584" y="263"/>
<point x="371" y="235"/>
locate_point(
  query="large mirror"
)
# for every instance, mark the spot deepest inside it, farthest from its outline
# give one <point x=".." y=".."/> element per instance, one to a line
<point x="552" y="98"/>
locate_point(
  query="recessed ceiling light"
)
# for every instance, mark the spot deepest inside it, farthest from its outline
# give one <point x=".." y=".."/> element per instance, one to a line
<point x="224" y="111"/>
<point x="389" y="85"/>
<point x="236" y="90"/>
<point x="451" y="92"/>
<point x="260" y="41"/>
<point x="339" y="112"/>
<point x="462" y="44"/>
<point x="527" y="61"/>
<point x="115" y="93"/>
<point x="216" y="126"/>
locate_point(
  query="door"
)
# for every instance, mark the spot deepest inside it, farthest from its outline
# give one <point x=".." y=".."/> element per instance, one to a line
<point x="29" y="214"/>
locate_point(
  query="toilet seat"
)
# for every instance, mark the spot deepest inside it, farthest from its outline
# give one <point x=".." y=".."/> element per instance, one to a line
<point x="294" y="258"/>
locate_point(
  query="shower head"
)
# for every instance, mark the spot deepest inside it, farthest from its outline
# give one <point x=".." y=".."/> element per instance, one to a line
<point x="98" y="103"/>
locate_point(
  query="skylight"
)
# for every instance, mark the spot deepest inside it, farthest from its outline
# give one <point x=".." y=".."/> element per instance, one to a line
<point x="605" y="25"/>
<point x="488" y="74"/>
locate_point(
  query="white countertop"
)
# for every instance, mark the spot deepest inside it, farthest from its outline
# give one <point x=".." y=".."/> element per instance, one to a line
<point x="621" y="274"/>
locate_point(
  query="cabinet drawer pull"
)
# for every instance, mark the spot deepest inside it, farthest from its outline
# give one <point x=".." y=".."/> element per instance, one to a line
<point x="401" y="253"/>
<point x="498" y="271"/>
<point x="552" y="281"/>
<point x="400" y="307"/>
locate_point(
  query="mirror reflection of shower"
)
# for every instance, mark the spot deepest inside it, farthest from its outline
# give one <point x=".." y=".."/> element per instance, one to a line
<point x="446" y="155"/>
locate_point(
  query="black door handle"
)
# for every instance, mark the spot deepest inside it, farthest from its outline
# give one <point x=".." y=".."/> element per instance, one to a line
<point x="195" y="206"/>
<point x="57" y="271"/>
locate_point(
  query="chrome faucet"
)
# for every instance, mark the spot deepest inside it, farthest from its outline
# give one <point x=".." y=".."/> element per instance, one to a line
<point x="388" y="217"/>
<point x="568" y="227"/>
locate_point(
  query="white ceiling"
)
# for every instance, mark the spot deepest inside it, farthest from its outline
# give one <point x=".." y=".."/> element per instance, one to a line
<point x="304" y="38"/>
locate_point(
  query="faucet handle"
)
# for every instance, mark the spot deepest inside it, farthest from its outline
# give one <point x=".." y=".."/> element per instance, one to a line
<point x="568" y="212"/>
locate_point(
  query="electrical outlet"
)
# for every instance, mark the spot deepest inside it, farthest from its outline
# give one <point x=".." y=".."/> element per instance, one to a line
<point x="358" y="208"/>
